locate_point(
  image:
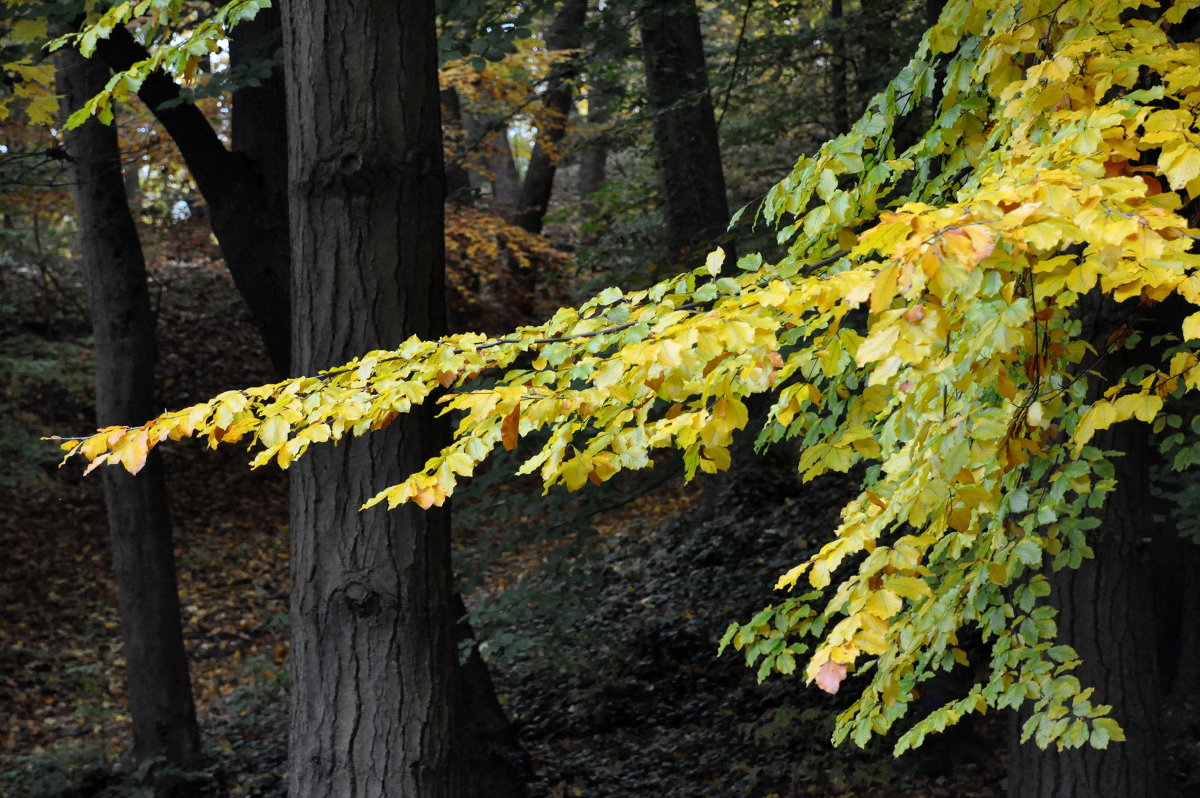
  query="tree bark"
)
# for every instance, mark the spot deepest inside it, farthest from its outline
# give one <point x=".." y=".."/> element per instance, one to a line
<point x="609" y="44"/>
<point x="493" y="162"/>
<point x="837" y="68"/>
<point x="157" y="681"/>
<point x="373" y="653"/>
<point x="258" y="120"/>
<point x="487" y="758"/>
<point x="593" y="159"/>
<point x="565" y="33"/>
<point x="458" y="179"/>
<point x="687" y="153"/>
<point x="1105" y="609"/>
<point x="247" y="189"/>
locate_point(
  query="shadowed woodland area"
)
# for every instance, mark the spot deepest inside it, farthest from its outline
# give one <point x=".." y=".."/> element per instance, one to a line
<point x="931" y="388"/>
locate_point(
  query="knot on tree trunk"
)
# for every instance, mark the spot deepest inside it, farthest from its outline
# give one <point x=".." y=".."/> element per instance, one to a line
<point x="362" y="600"/>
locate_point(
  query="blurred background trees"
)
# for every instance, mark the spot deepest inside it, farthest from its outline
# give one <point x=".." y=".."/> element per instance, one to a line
<point x="584" y="144"/>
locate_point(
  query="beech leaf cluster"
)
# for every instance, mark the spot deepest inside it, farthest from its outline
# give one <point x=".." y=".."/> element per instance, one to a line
<point x="923" y="324"/>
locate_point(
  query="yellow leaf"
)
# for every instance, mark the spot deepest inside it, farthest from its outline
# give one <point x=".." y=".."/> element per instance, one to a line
<point x="1005" y="386"/>
<point x="872" y="637"/>
<point x="1143" y="407"/>
<point x="714" y="261"/>
<point x="273" y="431"/>
<point x="1034" y="415"/>
<point x="909" y="587"/>
<point x="286" y="454"/>
<point x="878" y="345"/>
<point x="997" y="573"/>
<point x="788" y="580"/>
<point x="1100" y="415"/>
<point x="460" y="464"/>
<point x="1042" y="235"/>
<point x="1191" y="327"/>
<point x="1180" y="164"/>
<point x="42" y="110"/>
<point x="29" y="30"/>
<point x="132" y="451"/>
<point x="884" y="603"/>
<point x="575" y="471"/>
<point x="884" y="289"/>
<point x="820" y="574"/>
<point x="425" y="498"/>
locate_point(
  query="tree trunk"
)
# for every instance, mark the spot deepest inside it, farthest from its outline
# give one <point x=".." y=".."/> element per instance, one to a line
<point x="458" y="179"/>
<point x="247" y="189"/>
<point x="565" y="33"/>
<point x="1105" y="609"/>
<point x="593" y="159"/>
<point x="258" y="120"/>
<point x="837" y="69"/>
<point x="610" y="44"/>
<point x="488" y="759"/>
<point x="487" y="138"/>
<point x="373" y="652"/>
<point x="160" y="697"/>
<point x="687" y="153"/>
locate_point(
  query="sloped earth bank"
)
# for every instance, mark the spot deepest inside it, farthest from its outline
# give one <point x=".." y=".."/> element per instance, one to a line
<point x="607" y="665"/>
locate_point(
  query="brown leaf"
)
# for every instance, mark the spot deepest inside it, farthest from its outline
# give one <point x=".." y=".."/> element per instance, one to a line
<point x="510" y="429"/>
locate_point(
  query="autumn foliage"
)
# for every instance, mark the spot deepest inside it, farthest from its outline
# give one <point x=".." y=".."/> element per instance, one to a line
<point x="924" y="323"/>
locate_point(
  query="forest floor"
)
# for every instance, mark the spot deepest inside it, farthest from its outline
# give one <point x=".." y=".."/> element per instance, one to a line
<point x="600" y="615"/>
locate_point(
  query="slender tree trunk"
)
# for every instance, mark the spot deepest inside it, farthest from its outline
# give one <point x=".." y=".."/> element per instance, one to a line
<point x="933" y="12"/>
<point x="493" y="161"/>
<point x="373" y="653"/>
<point x="610" y="44"/>
<point x="458" y="179"/>
<point x="593" y="159"/>
<point x="259" y="136"/>
<point x="687" y="153"/>
<point x="837" y="69"/>
<point x="565" y="33"/>
<point x="160" y="697"/>
<point x="1105" y="609"/>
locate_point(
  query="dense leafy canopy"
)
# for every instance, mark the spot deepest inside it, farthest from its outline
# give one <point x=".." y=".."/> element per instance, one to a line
<point x="922" y="322"/>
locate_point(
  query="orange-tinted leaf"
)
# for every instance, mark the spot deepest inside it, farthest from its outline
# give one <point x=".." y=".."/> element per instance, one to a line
<point x="830" y="676"/>
<point x="510" y="429"/>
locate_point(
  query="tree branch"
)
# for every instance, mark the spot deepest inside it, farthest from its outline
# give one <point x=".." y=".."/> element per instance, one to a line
<point x="202" y="150"/>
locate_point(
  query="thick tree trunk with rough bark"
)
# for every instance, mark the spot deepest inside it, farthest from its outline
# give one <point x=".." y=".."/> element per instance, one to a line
<point x="160" y="697"/>
<point x="247" y="188"/>
<point x="373" y="652"/>
<point x="1106" y="611"/>
<point x="687" y="153"/>
<point x="565" y="33"/>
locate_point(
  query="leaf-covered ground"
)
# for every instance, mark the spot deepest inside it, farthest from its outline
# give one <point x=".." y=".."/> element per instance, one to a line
<point x="607" y="663"/>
